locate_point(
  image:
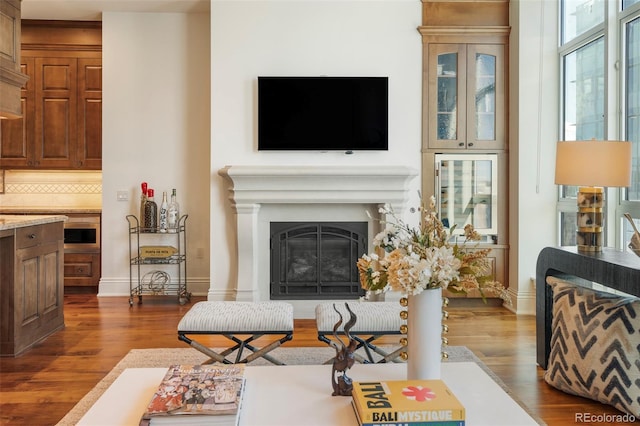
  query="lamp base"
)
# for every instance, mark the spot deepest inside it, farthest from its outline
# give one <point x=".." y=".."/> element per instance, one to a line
<point x="590" y="219"/>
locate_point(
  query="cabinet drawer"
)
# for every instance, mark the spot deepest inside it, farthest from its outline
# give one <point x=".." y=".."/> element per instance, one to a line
<point x="81" y="269"/>
<point x="84" y="269"/>
<point x="31" y="236"/>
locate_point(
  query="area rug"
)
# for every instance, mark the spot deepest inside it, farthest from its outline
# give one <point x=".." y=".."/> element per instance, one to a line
<point x="163" y="357"/>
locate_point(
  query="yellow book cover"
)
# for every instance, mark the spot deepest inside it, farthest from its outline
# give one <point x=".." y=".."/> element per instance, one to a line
<point x="410" y="402"/>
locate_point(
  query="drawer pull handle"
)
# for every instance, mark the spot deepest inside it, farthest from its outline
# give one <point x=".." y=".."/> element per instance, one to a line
<point x="32" y="236"/>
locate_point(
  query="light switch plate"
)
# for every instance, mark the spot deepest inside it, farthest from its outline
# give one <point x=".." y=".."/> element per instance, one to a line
<point x="123" y="196"/>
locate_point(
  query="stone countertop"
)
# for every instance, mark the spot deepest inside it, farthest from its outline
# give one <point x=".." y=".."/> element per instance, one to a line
<point x="48" y="210"/>
<point x="20" y="221"/>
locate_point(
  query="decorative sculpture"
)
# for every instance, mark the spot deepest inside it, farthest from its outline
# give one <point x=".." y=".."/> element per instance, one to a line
<point x="344" y="359"/>
<point x="634" y="244"/>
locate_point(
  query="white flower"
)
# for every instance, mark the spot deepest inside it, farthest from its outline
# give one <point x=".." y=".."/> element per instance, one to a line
<point x="423" y="257"/>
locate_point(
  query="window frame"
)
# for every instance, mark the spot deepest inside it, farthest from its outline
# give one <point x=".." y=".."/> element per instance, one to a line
<point x="625" y="205"/>
<point x="613" y="31"/>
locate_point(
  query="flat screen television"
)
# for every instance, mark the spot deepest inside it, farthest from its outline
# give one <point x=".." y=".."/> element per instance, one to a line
<point x="323" y="113"/>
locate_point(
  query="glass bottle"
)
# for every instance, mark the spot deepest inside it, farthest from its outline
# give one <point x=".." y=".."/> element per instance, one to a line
<point x="164" y="207"/>
<point x="143" y="200"/>
<point x="150" y="213"/>
<point x="173" y="215"/>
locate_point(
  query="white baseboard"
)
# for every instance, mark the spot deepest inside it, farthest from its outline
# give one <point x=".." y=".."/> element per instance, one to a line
<point x="522" y="302"/>
<point x="112" y="287"/>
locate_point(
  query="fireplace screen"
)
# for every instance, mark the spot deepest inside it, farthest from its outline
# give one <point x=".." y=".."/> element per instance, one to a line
<point x="316" y="260"/>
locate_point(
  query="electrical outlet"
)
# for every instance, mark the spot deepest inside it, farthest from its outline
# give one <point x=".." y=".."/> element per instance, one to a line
<point x="122" y="196"/>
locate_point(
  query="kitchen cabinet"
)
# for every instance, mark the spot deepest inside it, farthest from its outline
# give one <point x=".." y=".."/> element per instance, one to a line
<point x="82" y="238"/>
<point x="466" y="96"/>
<point x="61" y="124"/>
<point x="16" y="138"/>
<point x="81" y="272"/>
<point x="31" y="290"/>
<point x="61" y="127"/>
<point x="11" y="79"/>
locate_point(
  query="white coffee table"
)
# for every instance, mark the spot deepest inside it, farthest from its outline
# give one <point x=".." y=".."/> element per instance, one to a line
<point x="300" y="395"/>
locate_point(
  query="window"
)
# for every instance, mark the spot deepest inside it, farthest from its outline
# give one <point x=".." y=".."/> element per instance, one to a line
<point x="584" y="95"/>
<point x="579" y="16"/>
<point x="632" y="100"/>
<point x="628" y="3"/>
<point x="631" y="116"/>
<point x="583" y="91"/>
<point x="589" y="30"/>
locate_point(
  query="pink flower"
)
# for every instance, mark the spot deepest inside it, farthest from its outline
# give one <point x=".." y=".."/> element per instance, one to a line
<point x="418" y="393"/>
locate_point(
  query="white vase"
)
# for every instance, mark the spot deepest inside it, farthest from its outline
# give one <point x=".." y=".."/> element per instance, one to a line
<point x="424" y="335"/>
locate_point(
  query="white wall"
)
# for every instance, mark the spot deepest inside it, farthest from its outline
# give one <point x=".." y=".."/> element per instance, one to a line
<point x="309" y="38"/>
<point x="156" y="84"/>
<point x="157" y="114"/>
<point x="533" y="127"/>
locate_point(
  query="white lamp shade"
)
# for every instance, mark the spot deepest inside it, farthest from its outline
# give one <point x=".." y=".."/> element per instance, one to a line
<point x="593" y="163"/>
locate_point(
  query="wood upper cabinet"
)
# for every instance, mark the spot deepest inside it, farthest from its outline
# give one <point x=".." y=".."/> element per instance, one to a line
<point x="55" y="119"/>
<point x="465" y="96"/>
<point x="61" y="124"/>
<point x="16" y="137"/>
<point x="89" y="114"/>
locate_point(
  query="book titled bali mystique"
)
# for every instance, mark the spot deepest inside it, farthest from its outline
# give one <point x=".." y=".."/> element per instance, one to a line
<point x="195" y="393"/>
<point x="406" y="403"/>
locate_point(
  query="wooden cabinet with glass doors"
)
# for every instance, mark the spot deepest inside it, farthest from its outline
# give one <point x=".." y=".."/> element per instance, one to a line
<point x="466" y="98"/>
<point x="467" y="192"/>
<point x="465" y="135"/>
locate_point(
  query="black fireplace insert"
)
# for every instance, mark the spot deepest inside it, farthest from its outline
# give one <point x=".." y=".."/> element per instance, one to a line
<point x="316" y="260"/>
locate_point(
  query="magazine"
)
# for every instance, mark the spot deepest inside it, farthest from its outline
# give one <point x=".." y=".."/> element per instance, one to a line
<point x="193" y="393"/>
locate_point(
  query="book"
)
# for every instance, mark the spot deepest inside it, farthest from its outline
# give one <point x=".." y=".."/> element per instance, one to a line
<point x="418" y="423"/>
<point x="406" y="403"/>
<point x="197" y="394"/>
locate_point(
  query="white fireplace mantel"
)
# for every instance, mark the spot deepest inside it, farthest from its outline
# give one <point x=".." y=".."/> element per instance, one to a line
<point x="250" y="187"/>
<point x="318" y="184"/>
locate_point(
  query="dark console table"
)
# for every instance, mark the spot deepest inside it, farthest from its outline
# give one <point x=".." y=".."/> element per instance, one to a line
<point x="612" y="268"/>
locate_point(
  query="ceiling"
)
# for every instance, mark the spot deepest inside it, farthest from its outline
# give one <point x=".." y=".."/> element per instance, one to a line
<point x="91" y="10"/>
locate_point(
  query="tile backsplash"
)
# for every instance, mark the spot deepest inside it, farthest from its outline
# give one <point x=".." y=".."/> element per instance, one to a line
<point x="51" y="189"/>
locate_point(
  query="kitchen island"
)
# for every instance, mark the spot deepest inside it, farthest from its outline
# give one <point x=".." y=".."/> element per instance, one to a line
<point x="31" y="280"/>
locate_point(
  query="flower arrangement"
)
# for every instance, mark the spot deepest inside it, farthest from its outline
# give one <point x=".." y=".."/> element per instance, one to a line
<point x="413" y="259"/>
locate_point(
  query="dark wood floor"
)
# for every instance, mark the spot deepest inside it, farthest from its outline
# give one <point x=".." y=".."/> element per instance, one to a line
<point x="42" y="385"/>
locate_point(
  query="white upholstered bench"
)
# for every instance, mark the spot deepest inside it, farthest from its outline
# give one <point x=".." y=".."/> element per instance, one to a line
<point x="230" y="319"/>
<point x="374" y="320"/>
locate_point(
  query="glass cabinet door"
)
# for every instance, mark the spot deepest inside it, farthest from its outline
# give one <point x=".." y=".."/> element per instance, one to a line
<point x="485" y="96"/>
<point x="466" y="96"/>
<point x="447" y="94"/>
<point x="467" y="191"/>
<point x="485" y="104"/>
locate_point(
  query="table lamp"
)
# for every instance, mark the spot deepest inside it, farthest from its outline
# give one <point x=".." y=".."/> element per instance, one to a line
<point x="592" y="165"/>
